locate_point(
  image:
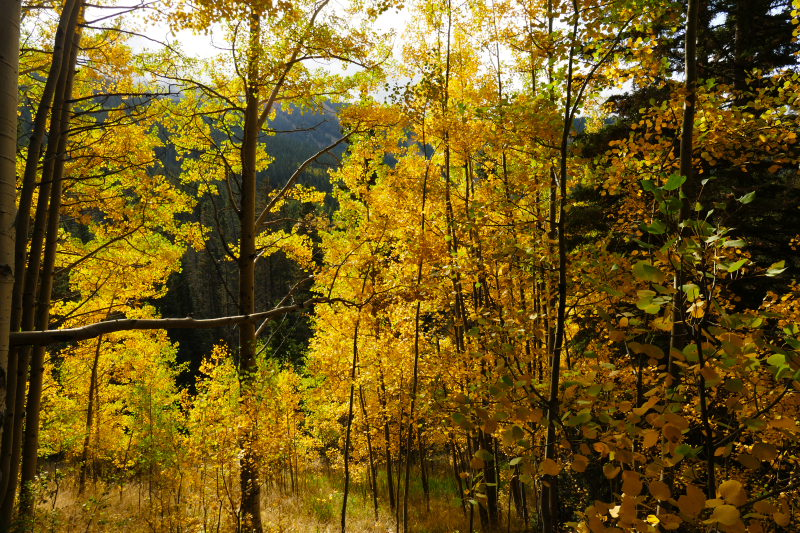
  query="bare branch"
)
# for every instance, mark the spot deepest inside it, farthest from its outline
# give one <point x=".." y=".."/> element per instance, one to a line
<point x="282" y="193"/>
<point x="39" y="338"/>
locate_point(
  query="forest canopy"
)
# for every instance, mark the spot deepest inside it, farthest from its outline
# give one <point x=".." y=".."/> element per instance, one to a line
<point x="522" y="265"/>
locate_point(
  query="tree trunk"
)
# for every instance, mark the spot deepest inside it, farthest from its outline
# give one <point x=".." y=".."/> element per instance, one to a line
<point x="424" y="472"/>
<point x="30" y="451"/>
<point x="372" y="473"/>
<point x="9" y="73"/>
<point x="346" y="490"/>
<point x="89" y="418"/>
<point x="16" y="372"/>
<point x="459" y="486"/>
<point x="550" y="493"/>
<point x="249" y="481"/>
<point x="52" y="169"/>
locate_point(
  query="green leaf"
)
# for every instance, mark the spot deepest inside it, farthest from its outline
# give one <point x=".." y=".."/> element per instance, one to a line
<point x="647" y="272"/>
<point x="515" y="461"/>
<point x="657" y="227"/>
<point x="692" y="291"/>
<point x="776" y="359"/>
<point x="747" y="198"/>
<point x="754" y="424"/>
<point x="776" y="268"/>
<point x="734" y="267"/>
<point x="674" y="181"/>
<point x="683" y="449"/>
<point x="578" y="419"/>
<point x="456" y="502"/>
<point x="734" y="384"/>
<point x="734" y="243"/>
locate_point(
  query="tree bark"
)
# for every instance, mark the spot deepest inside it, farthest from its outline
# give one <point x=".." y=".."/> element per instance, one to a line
<point x="16" y="372"/>
<point x="250" y="482"/>
<point x="346" y="490"/>
<point x="30" y="451"/>
<point x="89" y="418"/>
<point x="372" y="472"/>
<point x="9" y="73"/>
<point x="30" y="280"/>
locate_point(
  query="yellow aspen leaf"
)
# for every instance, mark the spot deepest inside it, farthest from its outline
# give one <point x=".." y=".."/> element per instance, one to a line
<point x="550" y="467"/>
<point x="764" y="507"/>
<point x="732" y="492"/>
<point x="659" y="490"/>
<point x="579" y="463"/>
<point x="672" y="433"/>
<point x="692" y="502"/>
<point x="650" y="439"/>
<point x="748" y="461"/>
<point x="631" y="485"/>
<point x="611" y="471"/>
<point x="724" y="514"/>
<point x="765" y="451"/>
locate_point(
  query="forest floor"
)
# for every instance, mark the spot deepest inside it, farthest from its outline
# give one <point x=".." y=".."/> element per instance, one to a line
<point x="136" y="506"/>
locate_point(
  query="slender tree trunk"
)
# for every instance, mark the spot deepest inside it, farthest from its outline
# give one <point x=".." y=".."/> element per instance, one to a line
<point x="372" y="472"/>
<point x="89" y="418"/>
<point x="678" y="337"/>
<point x="348" y="432"/>
<point x="459" y="486"/>
<point x="249" y="477"/>
<point x="424" y="472"/>
<point x="30" y="451"/>
<point x="550" y="491"/>
<point x="53" y="163"/>
<point x="16" y="372"/>
<point x="9" y="73"/>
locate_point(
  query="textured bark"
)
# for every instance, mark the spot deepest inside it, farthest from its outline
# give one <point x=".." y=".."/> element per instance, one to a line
<point x="249" y="481"/>
<point x="348" y="433"/>
<point x="550" y="493"/>
<point x="16" y="372"/>
<point x="372" y="471"/>
<point x="89" y="417"/>
<point x="31" y="277"/>
<point x="9" y="69"/>
<point x="30" y="450"/>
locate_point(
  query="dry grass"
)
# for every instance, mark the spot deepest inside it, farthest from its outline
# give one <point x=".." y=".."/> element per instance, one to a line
<point x="137" y="507"/>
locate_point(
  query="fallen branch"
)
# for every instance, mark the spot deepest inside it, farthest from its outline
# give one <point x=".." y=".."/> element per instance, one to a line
<point x="38" y="338"/>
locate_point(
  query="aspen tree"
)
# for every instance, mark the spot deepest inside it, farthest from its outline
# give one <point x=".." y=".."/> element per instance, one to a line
<point x="10" y="13"/>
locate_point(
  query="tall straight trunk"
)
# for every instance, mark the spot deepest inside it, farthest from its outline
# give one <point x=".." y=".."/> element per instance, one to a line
<point x="456" y="476"/>
<point x="372" y="473"/>
<point x="679" y="331"/>
<point x="16" y="372"/>
<point x="550" y="491"/>
<point x="9" y="73"/>
<point x="388" y="443"/>
<point x="349" y="430"/>
<point x="489" y="476"/>
<point x="250" y="482"/>
<point x="415" y="375"/>
<point x="89" y="417"/>
<point x="389" y="479"/>
<point x="678" y="337"/>
<point x="30" y="450"/>
<point x="424" y="472"/>
<point x="30" y="281"/>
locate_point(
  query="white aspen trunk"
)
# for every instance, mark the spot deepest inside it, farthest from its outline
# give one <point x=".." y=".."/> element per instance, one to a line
<point x="9" y="71"/>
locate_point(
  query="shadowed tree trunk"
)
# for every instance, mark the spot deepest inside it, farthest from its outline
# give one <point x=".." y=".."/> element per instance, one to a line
<point x="9" y="72"/>
<point x="30" y="450"/>
<point x="17" y="370"/>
